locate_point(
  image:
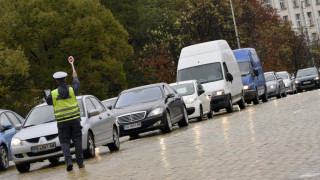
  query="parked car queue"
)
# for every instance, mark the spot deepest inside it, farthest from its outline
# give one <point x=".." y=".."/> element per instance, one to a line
<point x="210" y="77"/>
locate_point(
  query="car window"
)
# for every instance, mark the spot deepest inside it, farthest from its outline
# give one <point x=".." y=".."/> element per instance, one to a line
<point x="89" y="105"/>
<point x="4" y="120"/>
<point x="13" y="118"/>
<point x="184" y="89"/>
<point x="269" y="77"/>
<point x="170" y="89"/>
<point x="97" y="104"/>
<point x="40" y="115"/>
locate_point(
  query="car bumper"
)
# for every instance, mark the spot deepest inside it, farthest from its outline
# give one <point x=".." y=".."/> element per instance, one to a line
<point x="148" y="124"/>
<point x="193" y="109"/>
<point x="249" y="95"/>
<point x="309" y="85"/>
<point x="272" y="92"/>
<point x="219" y="102"/>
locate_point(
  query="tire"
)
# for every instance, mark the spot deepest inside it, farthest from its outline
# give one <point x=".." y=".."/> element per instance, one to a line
<point x="4" y="158"/>
<point x="115" y="145"/>
<point x="284" y="94"/>
<point x="23" y="167"/>
<point x="256" y="98"/>
<point x="279" y="94"/>
<point x="264" y="97"/>
<point x="184" y="121"/>
<point x="54" y="161"/>
<point x="241" y="103"/>
<point x="210" y="115"/>
<point x="168" y="126"/>
<point x="229" y="109"/>
<point x="200" y="118"/>
<point x="90" y="151"/>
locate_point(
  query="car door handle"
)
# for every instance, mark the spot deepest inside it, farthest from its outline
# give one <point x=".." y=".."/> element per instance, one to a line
<point x="100" y="117"/>
<point x="108" y="114"/>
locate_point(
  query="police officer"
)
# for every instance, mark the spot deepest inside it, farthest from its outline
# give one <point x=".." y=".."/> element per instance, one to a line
<point x="67" y="114"/>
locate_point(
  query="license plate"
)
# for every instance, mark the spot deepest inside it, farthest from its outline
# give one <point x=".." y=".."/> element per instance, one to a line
<point x="307" y="82"/>
<point x="44" y="147"/>
<point x="132" y="126"/>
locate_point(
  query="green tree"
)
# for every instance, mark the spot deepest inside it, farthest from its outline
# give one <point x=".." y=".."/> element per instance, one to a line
<point x="50" y="31"/>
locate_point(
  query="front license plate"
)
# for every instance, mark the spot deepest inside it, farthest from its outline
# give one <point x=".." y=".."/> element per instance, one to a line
<point x="132" y="126"/>
<point x="44" y="147"/>
<point x="307" y="82"/>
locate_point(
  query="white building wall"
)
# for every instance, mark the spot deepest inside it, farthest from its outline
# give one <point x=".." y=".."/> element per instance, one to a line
<point x="288" y="9"/>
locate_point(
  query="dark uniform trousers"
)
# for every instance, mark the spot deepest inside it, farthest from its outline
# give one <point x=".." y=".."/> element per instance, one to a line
<point x="67" y="131"/>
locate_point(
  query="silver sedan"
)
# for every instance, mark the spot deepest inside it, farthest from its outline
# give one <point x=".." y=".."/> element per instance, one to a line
<point x="38" y="138"/>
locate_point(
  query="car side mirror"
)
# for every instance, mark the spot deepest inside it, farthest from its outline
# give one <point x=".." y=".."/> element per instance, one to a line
<point x="6" y="127"/>
<point x="93" y="112"/>
<point x="229" y="77"/>
<point x="109" y="107"/>
<point x="201" y="91"/>
<point x="256" y="72"/>
<point x="292" y="78"/>
<point x="18" y="127"/>
<point x="171" y="95"/>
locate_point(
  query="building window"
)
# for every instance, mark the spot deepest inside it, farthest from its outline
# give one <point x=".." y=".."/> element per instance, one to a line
<point x="282" y="5"/>
<point x="298" y="20"/>
<point x="295" y="3"/>
<point x="285" y="18"/>
<point x="310" y="18"/>
<point x="307" y="2"/>
<point x="317" y="1"/>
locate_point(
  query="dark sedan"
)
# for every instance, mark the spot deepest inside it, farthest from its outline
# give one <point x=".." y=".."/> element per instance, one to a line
<point x="307" y="78"/>
<point x="150" y="107"/>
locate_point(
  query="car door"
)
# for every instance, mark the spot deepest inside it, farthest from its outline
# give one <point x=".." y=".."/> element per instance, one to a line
<point x="170" y="102"/>
<point x="6" y="134"/>
<point x="177" y="103"/>
<point x="105" y="120"/>
<point x="94" y="122"/>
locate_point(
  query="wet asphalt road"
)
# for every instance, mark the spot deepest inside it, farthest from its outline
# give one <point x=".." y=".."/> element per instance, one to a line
<point x="274" y="140"/>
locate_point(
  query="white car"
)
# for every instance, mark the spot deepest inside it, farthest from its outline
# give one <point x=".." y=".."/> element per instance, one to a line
<point x="288" y="82"/>
<point x="195" y="98"/>
<point x="38" y="138"/>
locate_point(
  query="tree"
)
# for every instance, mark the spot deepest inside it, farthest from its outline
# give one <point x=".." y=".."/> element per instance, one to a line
<point x="50" y="31"/>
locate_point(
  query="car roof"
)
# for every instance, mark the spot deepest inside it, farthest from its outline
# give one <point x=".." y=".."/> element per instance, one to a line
<point x="109" y="99"/>
<point x="78" y="97"/>
<point x="282" y="72"/>
<point x="269" y="72"/>
<point x="183" y="82"/>
<point x="307" y="68"/>
<point x="3" y="110"/>
<point x="144" y="87"/>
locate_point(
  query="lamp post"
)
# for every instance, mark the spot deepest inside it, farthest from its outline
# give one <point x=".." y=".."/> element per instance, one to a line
<point x="235" y="25"/>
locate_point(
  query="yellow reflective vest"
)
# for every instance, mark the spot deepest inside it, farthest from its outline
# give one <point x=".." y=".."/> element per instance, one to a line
<point x="65" y="109"/>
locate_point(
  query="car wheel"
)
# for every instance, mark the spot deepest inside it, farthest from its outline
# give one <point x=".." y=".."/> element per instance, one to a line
<point x="284" y="94"/>
<point x="4" y="158"/>
<point x="115" y="145"/>
<point x="256" y="98"/>
<point x="90" y="151"/>
<point x="241" y="103"/>
<point x="200" y="118"/>
<point x="54" y="161"/>
<point x="23" y="167"/>
<point x="229" y="109"/>
<point x="210" y="115"/>
<point x="168" y="126"/>
<point x="265" y="95"/>
<point x="279" y="94"/>
<point x="184" y="121"/>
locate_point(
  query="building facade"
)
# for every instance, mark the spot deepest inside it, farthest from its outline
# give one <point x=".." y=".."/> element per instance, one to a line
<point x="303" y="14"/>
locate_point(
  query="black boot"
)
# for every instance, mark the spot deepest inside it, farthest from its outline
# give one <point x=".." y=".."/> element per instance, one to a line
<point x="69" y="167"/>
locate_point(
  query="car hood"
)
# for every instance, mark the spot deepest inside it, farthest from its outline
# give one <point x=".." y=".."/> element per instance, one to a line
<point x="147" y="106"/>
<point x="271" y="82"/>
<point x="37" y="131"/>
<point x="306" y="77"/>
<point x="246" y="80"/>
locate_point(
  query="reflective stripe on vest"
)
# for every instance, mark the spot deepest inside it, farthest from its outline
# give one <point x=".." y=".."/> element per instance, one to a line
<point x="65" y="109"/>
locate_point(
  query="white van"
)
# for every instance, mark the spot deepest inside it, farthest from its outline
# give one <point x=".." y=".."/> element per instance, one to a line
<point x="215" y="67"/>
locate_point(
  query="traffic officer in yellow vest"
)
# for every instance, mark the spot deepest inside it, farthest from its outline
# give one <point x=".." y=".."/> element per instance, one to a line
<point x="67" y="114"/>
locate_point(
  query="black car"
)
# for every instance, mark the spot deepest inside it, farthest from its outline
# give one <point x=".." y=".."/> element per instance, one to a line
<point x="149" y="107"/>
<point x="307" y="78"/>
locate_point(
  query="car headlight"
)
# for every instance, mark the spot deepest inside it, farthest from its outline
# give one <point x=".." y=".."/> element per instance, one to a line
<point x="316" y="78"/>
<point x="156" y="111"/>
<point x="246" y="87"/>
<point x="218" y="93"/>
<point x="191" y="100"/>
<point x="297" y="82"/>
<point x="16" y="142"/>
<point x="286" y="84"/>
<point x="272" y="86"/>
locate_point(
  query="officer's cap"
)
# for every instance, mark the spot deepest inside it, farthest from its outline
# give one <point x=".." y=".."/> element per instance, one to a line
<point x="60" y="75"/>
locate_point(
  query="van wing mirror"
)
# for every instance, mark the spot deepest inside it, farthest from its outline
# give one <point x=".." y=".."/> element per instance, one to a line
<point x="229" y="77"/>
<point x="256" y="72"/>
<point x="201" y="91"/>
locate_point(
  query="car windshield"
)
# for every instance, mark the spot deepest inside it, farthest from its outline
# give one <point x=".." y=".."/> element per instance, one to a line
<point x="306" y="72"/>
<point x="184" y="89"/>
<point x="110" y="102"/>
<point x="45" y="114"/>
<point x="244" y="68"/>
<point x="283" y="75"/>
<point x="139" y="96"/>
<point x="204" y="73"/>
<point x="269" y="77"/>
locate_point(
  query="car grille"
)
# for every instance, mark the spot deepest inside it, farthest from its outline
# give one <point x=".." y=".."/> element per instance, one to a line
<point x="307" y="83"/>
<point x="128" y="118"/>
<point x="49" y="137"/>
